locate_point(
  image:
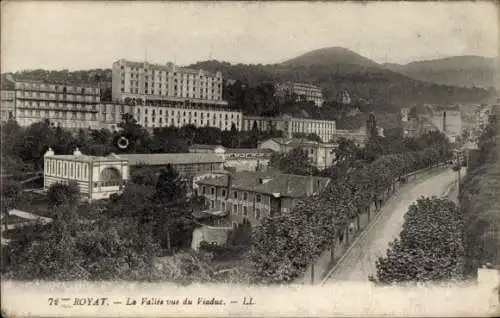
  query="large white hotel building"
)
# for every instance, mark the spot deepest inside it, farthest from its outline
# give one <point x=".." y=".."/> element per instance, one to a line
<point x="168" y="95"/>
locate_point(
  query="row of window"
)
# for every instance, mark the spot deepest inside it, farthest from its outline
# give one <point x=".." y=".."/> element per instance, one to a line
<point x="67" y="106"/>
<point x="57" y="114"/>
<point x="189" y="113"/>
<point x="136" y="71"/>
<point x="57" y="88"/>
<point x="67" y="169"/>
<point x="235" y="194"/>
<point x="66" y="97"/>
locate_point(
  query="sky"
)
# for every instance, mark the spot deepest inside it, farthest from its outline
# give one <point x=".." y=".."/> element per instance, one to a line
<point x="83" y="35"/>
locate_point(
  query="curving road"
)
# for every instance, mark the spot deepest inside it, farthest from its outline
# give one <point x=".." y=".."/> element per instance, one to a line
<point x="359" y="262"/>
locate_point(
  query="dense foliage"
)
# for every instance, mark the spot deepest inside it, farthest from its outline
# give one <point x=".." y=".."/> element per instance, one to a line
<point x="23" y="148"/>
<point x="479" y="203"/>
<point x="296" y="161"/>
<point x="121" y="240"/>
<point x="284" y="245"/>
<point x="430" y="247"/>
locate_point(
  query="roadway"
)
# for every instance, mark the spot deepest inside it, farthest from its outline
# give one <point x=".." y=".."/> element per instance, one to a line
<point x="359" y="261"/>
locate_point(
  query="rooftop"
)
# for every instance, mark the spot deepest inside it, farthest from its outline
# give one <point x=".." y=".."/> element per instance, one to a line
<point x="159" y="159"/>
<point x="229" y="150"/>
<point x="299" y="142"/>
<point x="78" y="156"/>
<point x="273" y="183"/>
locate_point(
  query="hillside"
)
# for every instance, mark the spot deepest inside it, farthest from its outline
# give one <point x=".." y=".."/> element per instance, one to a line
<point x="331" y="56"/>
<point x="464" y="71"/>
<point x="373" y="85"/>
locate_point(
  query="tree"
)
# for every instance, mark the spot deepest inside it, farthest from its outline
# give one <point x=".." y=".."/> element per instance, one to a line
<point x="430" y="247"/>
<point x="169" y="210"/>
<point x="311" y="137"/>
<point x="295" y="161"/>
<point x="63" y="194"/>
<point x="11" y="194"/>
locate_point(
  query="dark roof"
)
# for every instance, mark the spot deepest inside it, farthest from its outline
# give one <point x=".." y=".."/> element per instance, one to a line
<point x="287" y="185"/>
<point x="247" y="150"/>
<point x="170" y="158"/>
<point x="298" y="142"/>
<point x="202" y="146"/>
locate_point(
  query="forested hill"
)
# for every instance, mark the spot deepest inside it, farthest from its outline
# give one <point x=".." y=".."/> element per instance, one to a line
<point x="377" y="86"/>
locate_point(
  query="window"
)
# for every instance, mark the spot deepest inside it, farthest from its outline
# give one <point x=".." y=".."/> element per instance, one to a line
<point x="235" y="194"/>
<point x="203" y="190"/>
<point x="245" y="211"/>
<point x="245" y="196"/>
<point x="223" y="206"/>
<point x="223" y="192"/>
<point x="212" y="191"/>
<point x="235" y="209"/>
<point x="212" y="204"/>
<point x="258" y="198"/>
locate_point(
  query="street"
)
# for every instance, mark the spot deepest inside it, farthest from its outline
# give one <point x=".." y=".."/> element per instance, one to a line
<point x="359" y="262"/>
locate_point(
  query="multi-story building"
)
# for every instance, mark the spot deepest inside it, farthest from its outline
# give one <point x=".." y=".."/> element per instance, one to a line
<point x="69" y="106"/>
<point x="8" y="104"/>
<point x="325" y="129"/>
<point x="320" y="155"/>
<point x="178" y="116"/>
<point x="168" y="95"/>
<point x="240" y="159"/>
<point x="300" y="92"/>
<point x="145" y="81"/>
<point x="254" y="195"/>
<point x="96" y="177"/>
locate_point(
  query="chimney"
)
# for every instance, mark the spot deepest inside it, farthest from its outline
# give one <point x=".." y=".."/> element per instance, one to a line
<point x="310" y="186"/>
<point x="288" y="190"/>
<point x="229" y="184"/>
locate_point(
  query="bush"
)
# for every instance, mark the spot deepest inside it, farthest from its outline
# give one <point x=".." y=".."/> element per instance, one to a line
<point x="430" y="247"/>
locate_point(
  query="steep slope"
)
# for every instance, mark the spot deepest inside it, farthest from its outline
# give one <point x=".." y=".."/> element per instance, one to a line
<point x="464" y="71"/>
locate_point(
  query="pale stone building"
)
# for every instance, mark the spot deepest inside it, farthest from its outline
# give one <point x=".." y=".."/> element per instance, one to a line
<point x="96" y="177"/>
<point x="70" y="106"/>
<point x="325" y="129"/>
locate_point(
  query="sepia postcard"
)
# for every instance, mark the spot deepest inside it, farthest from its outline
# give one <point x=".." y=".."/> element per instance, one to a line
<point x="253" y="158"/>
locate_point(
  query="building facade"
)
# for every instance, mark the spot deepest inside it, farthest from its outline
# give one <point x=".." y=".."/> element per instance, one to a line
<point x="168" y="95"/>
<point x="96" y="177"/>
<point x="224" y="118"/>
<point x="69" y="106"/>
<point x="325" y="129"/>
<point x="301" y="92"/>
<point x="8" y="104"/>
<point x="359" y="137"/>
<point x="320" y="155"/>
<point x="254" y="195"/>
<point x="143" y="81"/>
<point x="239" y="159"/>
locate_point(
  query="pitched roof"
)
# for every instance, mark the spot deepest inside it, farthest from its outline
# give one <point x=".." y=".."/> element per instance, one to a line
<point x="159" y="159"/>
<point x="280" y="184"/>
